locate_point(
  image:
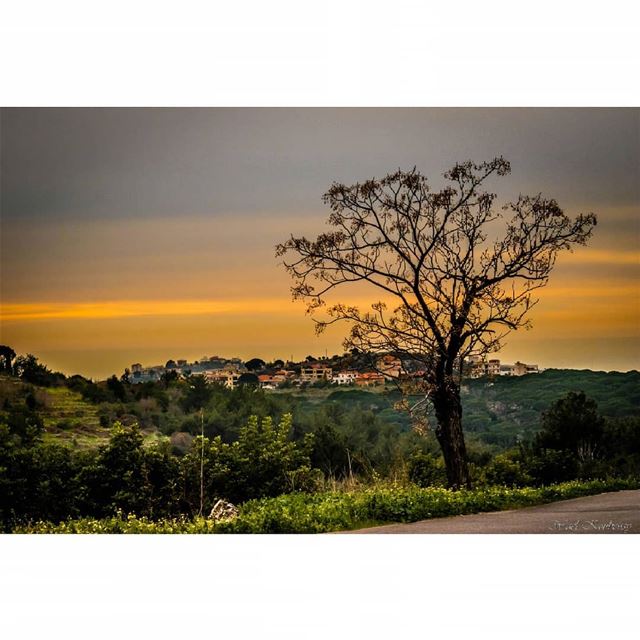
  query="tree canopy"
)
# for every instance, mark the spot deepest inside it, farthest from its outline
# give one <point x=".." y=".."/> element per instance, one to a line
<point x="255" y="364"/>
<point x="7" y="355"/>
<point x="455" y="272"/>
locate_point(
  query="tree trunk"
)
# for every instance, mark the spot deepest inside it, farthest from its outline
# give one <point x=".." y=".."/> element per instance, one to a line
<point x="448" y="410"/>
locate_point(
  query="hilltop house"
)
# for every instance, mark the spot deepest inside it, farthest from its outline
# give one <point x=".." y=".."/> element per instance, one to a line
<point x="228" y="377"/>
<point x="268" y="381"/>
<point x="369" y="379"/>
<point x="389" y="366"/>
<point x="315" y="372"/>
<point x="520" y="369"/>
<point x="479" y="367"/>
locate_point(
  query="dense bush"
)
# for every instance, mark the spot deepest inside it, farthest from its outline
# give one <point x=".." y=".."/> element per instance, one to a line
<point x="263" y="461"/>
<point x="572" y="424"/>
<point x="621" y="444"/>
<point x="30" y="370"/>
<point x="42" y="480"/>
<point x="37" y="482"/>
<point x="507" y="470"/>
<point x="125" y="475"/>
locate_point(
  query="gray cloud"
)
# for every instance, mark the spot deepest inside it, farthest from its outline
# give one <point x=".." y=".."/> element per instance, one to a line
<point x="172" y="162"/>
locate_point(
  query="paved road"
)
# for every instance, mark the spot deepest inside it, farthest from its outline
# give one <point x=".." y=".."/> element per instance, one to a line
<point x="617" y="512"/>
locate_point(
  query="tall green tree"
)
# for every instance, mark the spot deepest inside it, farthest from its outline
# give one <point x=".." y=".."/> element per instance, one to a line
<point x="7" y="355"/>
<point x="30" y="370"/>
<point x="573" y="424"/>
<point x="198" y="393"/>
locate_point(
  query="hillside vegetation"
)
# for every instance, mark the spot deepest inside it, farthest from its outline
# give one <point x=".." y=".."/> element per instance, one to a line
<point x="71" y="448"/>
<point x="497" y="413"/>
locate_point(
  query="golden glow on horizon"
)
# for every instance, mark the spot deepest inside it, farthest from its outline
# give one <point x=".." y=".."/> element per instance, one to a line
<point x="21" y="312"/>
<point x="183" y="288"/>
<point x="135" y="308"/>
<point x="102" y="337"/>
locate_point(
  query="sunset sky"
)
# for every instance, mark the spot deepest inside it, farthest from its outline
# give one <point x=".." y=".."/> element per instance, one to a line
<point x="139" y="235"/>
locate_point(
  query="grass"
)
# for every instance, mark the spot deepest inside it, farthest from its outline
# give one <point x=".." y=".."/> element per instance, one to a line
<point x="338" y="511"/>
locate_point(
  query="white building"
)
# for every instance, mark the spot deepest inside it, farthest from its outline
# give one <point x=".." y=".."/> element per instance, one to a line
<point x="345" y="377"/>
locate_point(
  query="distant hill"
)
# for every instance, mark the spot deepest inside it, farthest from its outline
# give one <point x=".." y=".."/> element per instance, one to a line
<point x="503" y="410"/>
<point x="507" y="408"/>
<point x="497" y="412"/>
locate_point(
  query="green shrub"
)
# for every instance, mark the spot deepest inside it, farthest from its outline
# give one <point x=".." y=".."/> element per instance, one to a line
<point x="549" y="467"/>
<point x="427" y="470"/>
<point x="262" y="462"/>
<point x="505" y="469"/>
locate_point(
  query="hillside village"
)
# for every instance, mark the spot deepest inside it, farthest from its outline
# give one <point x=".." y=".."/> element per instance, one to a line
<point x="346" y="370"/>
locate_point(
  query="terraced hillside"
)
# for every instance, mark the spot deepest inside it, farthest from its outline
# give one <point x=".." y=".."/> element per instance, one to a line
<point x="68" y="417"/>
<point x="64" y="413"/>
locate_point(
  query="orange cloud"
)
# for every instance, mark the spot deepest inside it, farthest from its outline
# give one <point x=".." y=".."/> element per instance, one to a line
<point x="135" y="308"/>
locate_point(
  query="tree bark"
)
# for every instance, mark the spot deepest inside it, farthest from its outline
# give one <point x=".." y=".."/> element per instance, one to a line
<point x="448" y="410"/>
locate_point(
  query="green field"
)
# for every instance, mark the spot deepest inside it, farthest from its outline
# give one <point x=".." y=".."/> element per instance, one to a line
<point x="69" y="418"/>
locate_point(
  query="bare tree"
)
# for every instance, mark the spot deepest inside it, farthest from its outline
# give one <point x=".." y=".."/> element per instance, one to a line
<point x="460" y="272"/>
